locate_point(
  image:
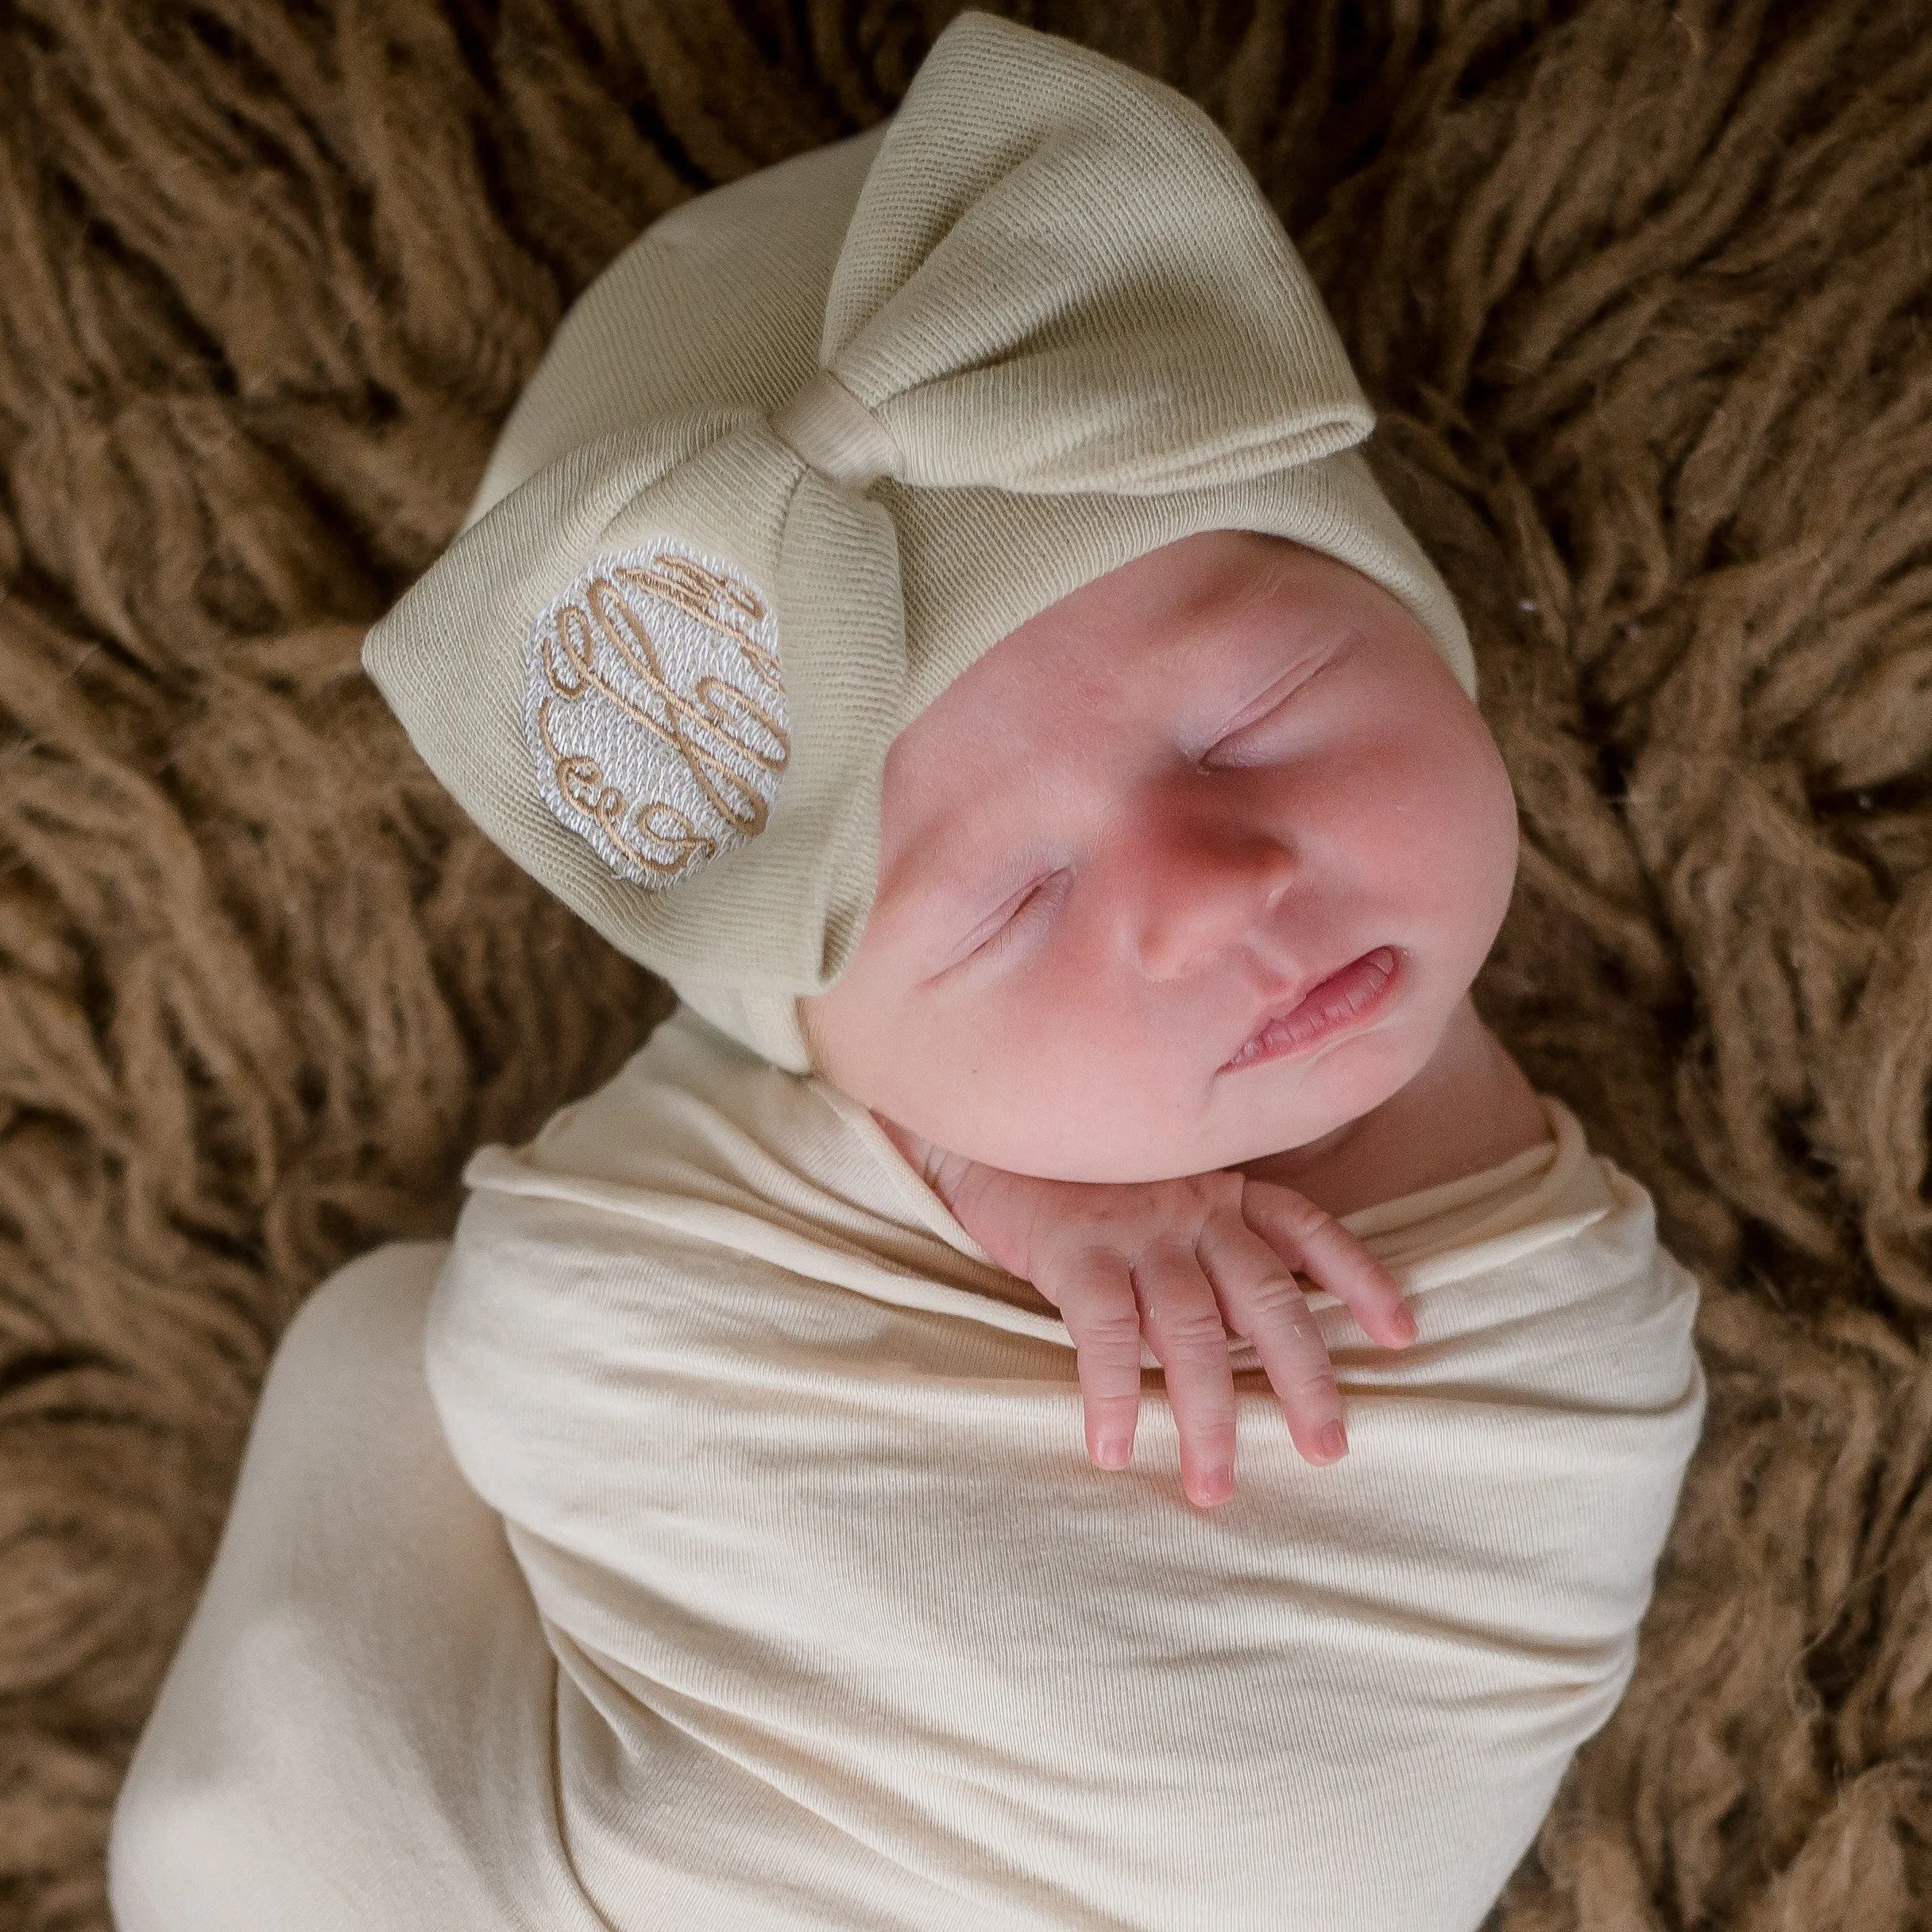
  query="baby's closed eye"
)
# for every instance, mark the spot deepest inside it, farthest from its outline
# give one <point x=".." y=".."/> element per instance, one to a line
<point x="1019" y="919"/>
<point x="1257" y="737"/>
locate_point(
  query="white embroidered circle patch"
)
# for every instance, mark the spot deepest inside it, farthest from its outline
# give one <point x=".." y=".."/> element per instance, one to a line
<point x="654" y="710"/>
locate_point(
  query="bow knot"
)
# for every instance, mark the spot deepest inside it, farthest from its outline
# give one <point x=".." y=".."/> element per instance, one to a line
<point x="826" y="426"/>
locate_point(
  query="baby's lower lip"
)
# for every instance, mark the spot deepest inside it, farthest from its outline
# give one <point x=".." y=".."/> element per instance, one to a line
<point x="1342" y="1000"/>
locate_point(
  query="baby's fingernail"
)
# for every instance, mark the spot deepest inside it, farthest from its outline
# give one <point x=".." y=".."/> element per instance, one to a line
<point x="1334" y="1441"/>
<point x="1218" y="1485"/>
<point x="1404" y="1323"/>
<point x="1113" y="1452"/>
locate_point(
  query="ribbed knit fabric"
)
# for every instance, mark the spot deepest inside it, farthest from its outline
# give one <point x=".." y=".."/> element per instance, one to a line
<point x="847" y="1631"/>
<point x="1080" y="333"/>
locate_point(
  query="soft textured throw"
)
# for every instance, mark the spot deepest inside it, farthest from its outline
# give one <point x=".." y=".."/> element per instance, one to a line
<point x="847" y="1631"/>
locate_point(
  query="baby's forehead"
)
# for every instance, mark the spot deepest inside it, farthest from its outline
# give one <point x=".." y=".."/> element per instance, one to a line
<point x="1186" y="611"/>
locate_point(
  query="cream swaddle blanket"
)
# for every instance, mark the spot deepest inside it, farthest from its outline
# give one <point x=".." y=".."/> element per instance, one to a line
<point x="850" y="1633"/>
<point x="834" y="1626"/>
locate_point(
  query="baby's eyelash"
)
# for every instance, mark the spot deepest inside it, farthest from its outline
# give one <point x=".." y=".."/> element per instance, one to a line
<point x="1037" y="901"/>
<point x="1296" y="686"/>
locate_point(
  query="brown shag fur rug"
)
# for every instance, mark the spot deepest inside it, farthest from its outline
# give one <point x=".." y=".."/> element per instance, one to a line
<point x="1644" y="297"/>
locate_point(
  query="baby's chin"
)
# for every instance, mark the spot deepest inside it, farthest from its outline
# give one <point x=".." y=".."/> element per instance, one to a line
<point x="1136" y="1133"/>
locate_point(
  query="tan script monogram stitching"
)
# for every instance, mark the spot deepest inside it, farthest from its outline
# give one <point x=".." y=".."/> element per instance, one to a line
<point x="657" y="711"/>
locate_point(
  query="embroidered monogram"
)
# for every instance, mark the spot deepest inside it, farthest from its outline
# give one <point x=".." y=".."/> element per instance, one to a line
<point x="655" y="711"/>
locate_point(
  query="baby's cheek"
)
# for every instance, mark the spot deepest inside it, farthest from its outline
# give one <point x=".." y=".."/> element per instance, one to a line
<point x="1479" y="821"/>
<point x="1442" y="823"/>
<point x="1052" y="1075"/>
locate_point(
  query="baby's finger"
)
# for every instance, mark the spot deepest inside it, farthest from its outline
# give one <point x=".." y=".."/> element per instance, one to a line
<point x="1189" y="1339"/>
<point x="1317" y="1245"/>
<point x="1262" y="1301"/>
<point x="1094" y="1291"/>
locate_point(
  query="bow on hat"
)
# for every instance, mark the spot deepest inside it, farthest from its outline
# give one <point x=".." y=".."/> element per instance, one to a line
<point x="1079" y="289"/>
<point x="1060" y="328"/>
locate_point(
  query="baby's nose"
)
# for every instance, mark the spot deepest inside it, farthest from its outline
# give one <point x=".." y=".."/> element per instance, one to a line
<point x="1198" y="882"/>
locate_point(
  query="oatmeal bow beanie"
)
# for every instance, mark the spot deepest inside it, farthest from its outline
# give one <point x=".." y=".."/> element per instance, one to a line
<point x="813" y="444"/>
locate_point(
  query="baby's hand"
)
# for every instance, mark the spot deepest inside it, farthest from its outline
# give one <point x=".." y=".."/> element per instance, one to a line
<point x="1185" y="1261"/>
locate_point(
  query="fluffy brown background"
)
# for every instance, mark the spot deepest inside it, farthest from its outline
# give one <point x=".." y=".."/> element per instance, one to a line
<point x="1642" y="297"/>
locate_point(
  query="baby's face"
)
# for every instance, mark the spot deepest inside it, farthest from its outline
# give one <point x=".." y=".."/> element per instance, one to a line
<point x="1193" y="868"/>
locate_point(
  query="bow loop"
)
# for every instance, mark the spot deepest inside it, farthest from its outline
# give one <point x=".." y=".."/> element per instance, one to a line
<point x="1084" y="292"/>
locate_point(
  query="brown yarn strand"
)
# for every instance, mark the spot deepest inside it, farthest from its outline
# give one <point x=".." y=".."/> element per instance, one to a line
<point x="1644" y="297"/>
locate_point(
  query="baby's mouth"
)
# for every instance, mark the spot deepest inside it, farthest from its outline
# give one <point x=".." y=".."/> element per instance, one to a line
<point x="1343" y="1000"/>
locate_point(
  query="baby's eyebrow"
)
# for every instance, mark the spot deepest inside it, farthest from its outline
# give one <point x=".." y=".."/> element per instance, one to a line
<point x="1245" y="629"/>
<point x="929" y="879"/>
<point x="1241" y="642"/>
<point x="961" y="898"/>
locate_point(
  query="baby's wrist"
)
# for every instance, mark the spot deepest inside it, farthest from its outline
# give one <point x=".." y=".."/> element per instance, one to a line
<point x="917" y="1150"/>
<point x="940" y="1171"/>
<point x="981" y="1198"/>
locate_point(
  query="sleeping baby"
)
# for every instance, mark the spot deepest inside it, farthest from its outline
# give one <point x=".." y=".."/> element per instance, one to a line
<point x="930" y="606"/>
